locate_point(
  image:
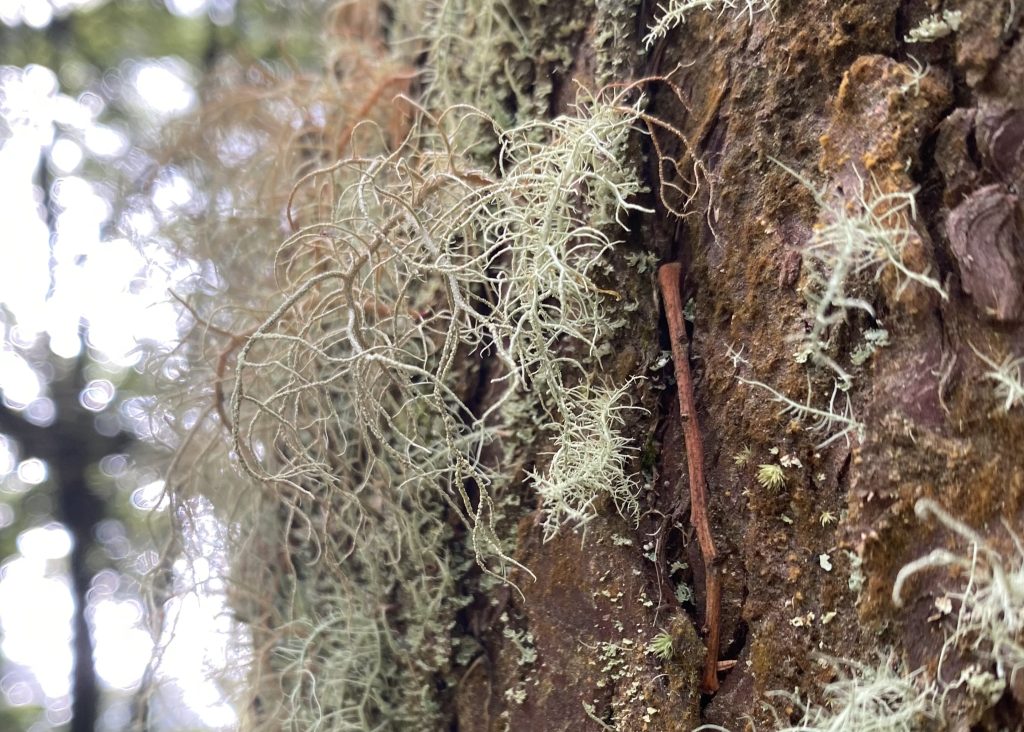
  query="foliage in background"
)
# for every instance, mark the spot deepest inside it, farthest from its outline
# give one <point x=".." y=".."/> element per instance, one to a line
<point x="75" y="84"/>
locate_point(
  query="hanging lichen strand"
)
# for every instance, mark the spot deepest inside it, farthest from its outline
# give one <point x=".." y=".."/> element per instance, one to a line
<point x="343" y="391"/>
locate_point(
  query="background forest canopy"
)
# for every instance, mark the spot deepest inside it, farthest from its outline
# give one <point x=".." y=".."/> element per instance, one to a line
<point x="335" y="394"/>
<point x="89" y="204"/>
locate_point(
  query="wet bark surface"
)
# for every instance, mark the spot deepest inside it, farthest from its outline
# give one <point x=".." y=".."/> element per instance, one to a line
<point x="832" y="91"/>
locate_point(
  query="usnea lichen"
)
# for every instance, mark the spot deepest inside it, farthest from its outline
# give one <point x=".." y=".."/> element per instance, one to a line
<point x="675" y="13"/>
<point x="862" y="698"/>
<point x="334" y="359"/>
<point x="853" y="244"/>
<point x="1006" y="373"/>
<point x="589" y="461"/>
<point x="865" y="237"/>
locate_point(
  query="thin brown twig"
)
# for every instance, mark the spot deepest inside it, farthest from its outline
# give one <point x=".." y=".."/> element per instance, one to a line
<point x="199" y="318"/>
<point x="669" y="278"/>
<point x="220" y="373"/>
<point x="235" y="341"/>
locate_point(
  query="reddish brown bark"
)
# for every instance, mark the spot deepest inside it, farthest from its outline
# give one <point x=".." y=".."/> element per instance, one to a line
<point x="669" y="277"/>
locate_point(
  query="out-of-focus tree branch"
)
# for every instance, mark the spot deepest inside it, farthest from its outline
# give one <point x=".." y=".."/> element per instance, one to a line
<point x="70" y="447"/>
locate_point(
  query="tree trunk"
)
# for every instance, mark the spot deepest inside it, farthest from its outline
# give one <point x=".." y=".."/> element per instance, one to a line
<point x="844" y="205"/>
<point x="71" y="448"/>
<point x="833" y="92"/>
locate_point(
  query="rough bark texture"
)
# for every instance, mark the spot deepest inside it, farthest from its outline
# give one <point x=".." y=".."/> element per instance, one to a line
<point x="832" y="91"/>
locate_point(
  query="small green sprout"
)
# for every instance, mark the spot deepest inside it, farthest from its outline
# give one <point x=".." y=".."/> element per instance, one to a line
<point x="771" y="476"/>
<point x="826" y="518"/>
<point x="661" y="646"/>
<point x="743" y="456"/>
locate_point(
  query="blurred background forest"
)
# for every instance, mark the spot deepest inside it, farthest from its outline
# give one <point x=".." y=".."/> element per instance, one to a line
<point x="85" y="88"/>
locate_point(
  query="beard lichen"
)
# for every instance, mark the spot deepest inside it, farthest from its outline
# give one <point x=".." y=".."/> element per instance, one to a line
<point x="360" y="265"/>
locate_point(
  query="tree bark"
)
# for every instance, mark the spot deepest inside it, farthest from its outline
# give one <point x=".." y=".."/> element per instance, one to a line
<point x="835" y="93"/>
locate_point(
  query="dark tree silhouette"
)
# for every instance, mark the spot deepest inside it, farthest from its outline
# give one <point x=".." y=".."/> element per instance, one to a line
<point x="71" y="446"/>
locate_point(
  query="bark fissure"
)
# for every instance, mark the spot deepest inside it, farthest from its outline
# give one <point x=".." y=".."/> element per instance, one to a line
<point x="669" y="278"/>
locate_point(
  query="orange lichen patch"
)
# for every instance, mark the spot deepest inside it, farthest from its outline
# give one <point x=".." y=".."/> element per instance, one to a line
<point x="881" y="113"/>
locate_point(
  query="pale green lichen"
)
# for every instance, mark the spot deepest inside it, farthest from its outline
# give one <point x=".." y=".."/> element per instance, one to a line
<point x="1006" y="373"/>
<point x="863" y="698"/>
<point x="444" y="234"/>
<point x="589" y="461"/>
<point x="675" y="13"/>
<point x="853" y="243"/>
<point x="834" y="421"/>
<point x="347" y="419"/>
<point x="935" y="26"/>
<point x="864" y="237"/>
